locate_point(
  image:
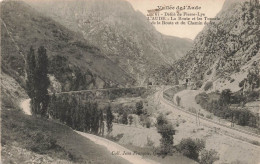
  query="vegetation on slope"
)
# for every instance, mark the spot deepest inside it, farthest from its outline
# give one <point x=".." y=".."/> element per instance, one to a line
<point x="75" y="63"/>
<point x="119" y="31"/>
<point x="222" y="48"/>
<point x="220" y="104"/>
<point x="48" y="138"/>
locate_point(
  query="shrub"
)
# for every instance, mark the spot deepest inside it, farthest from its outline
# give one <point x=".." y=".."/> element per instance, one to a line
<point x="192" y="110"/>
<point x="209" y="116"/>
<point x="191" y="148"/>
<point x="199" y="84"/>
<point x="208" y="85"/>
<point x="115" y="138"/>
<point x="255" y="143"/>
<point x="241" y="83"/>
<point x="139" y="108"/>
<point x="252" y="96"/>
<point x="147" y="122"/>
<point x="130" y="119"/>
<point x="124" y="118"/>
<point x="232" y="80"/>
<point x="209" y="72"/>
<point x="208" y="156"/>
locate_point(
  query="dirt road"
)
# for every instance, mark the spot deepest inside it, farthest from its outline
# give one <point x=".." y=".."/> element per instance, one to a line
<point x="112" y="147"/>
<point x="117" y="149"/>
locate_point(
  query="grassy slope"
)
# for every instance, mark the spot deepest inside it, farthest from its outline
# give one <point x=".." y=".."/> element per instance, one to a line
<point x="30" y="28"/>
<point x="50" y="138"/>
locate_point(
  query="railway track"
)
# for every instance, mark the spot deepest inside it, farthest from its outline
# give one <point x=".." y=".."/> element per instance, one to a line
<point x="170" y="103"/>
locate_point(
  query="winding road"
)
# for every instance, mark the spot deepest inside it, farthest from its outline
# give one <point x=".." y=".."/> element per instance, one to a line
<point x="112" y="147"/>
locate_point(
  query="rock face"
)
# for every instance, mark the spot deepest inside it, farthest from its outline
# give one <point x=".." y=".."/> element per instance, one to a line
<point x="229" y="45"/>
<point x="122" y="33"/>
<point x="75" y="63"/>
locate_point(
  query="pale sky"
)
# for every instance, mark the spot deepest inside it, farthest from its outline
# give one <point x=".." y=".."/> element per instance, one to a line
<point x="209" y="7"/>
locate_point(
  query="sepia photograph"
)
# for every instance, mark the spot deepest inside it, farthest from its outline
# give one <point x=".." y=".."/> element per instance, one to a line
<point x="130" y="82"/>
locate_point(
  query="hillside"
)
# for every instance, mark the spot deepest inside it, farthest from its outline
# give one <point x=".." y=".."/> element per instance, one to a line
<point x="75" y="63"/>
<point x="122" y="33"/>
<point x="225" y="49"/>
<point x="27" y="139"/>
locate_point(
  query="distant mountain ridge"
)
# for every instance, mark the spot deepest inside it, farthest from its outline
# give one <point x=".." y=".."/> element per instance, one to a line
<point x="122" y="33"/>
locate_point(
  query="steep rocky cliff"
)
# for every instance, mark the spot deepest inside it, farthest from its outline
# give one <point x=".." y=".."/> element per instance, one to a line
<point x="75" y="63"/>
<point x="226" y="48"/>
<point x="122" y="33"/>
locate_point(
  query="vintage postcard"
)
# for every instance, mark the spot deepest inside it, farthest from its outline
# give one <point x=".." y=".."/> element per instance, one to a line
<point x="130" y="81"/>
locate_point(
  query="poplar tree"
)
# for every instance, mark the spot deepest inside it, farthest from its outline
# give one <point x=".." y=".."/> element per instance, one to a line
<point x="43" y="81"/>
<point x="109" y="119"/>
<point x="37" y="82"/>
<point x="30" y="81"/>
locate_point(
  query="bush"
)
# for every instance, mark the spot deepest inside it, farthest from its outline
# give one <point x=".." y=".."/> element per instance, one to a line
<point x="130" y="119"/>
<point x="116" y="138"/>
<point x="124" y="120"/>
<point x="199" y="84"/>
<point x="255" y="143"/>
<point x="191" y="148"/>
<point x="192" y="110"/>
<point x="208" y="116"/>
<point x="42" y="143"/>
<point x="209" y="156"/>
<point x="208" y="85"/>
<point x="252" y="96"/>
<point x="147" y="122"/>
<point x="209" y="72"/>
<point x="241" y="83"/>
<point x="139" y="108"/>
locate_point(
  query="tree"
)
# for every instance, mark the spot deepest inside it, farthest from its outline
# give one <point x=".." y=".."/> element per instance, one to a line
<point x="37" y="82"/>
<point x="30" y="81"/>
<point x="241" y="83"/>
<point x="52" y="111"/>
<point x="208" y="85"/>
<point x="130" y="117"/>
<point x="124" y="118"/>
<point x="109" y="119"/>
<point x="166" y="131"/>
<point x="42" y="82"/>
<point x="94" y="118"/>
<point x="225" y="96"/>
<point x="176" y="79"/>
<point x="139" y="107"/>
<point x="253" y="76"/>
<point x="101" y="123"/>
<point x="178" y="100"/>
